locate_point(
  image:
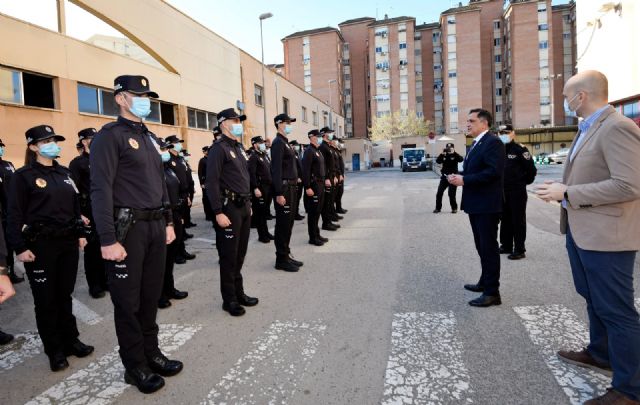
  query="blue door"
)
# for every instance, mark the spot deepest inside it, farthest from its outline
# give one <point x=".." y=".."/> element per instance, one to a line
<point x="355" y="162"/>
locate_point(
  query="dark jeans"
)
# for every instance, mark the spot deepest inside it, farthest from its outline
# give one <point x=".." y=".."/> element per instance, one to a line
<point x="135" y="285"/>
<point x="313" y="205"/>
<point x="52" y="277"/>
<point x="485" y="236"/>
<point x="605" y="281"/>
<point x="513" y="225"/>
<point x="285" y="217"/>
<point x="444" y="184"/>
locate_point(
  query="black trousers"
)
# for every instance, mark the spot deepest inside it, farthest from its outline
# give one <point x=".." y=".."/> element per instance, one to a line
<point x="299" y="193"/>
<point x="10" y="261"/>
<point x="52" y="277"/>
<point x="314" y="205"/>
<point x="94" y="267"/>
<point x="232" y="243"/>
<point x="135" y="285"/>
<point x="328" y="206"/>
<point x="513" y="226"/>
<point x="261" y="211"/>
<point x="185" y="213"/>
<point x="285" y="217"/>
<point x="208" y="212"/>
<point x="339" y="193"/>
<point x="444" y="184"/>
<point x="485" y="236"/>
<point x="172" y="251"/>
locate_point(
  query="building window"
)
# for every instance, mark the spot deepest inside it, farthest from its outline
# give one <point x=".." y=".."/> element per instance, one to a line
<point x="378" y="49"/>
<point x="257" y="92"/>
<point x="347" y="77"/>
<point x="315" y="117"/>
<point x="435" y="37"/>
<point x="347" y="92"/>
<point x="543" y="45"/>
<point x="10" y="88"/>
<point x="451" y="39"/>
<point x="496" y="41"/>
<point x="419" y="99"/>
<point x="453" y="73"/>
<point x="496" y="25"/>
<point x="498" y="108"/>
<point x="200" y="119"/>
<point x="345" y="47"/>
<point x="545" y="100"/>
<point x="566" y="35"/>
<point x="345" y="62"/>
<point x="285" y="105"/>
<point x="451" y="56"/>
<point x="437" y="66"/>
<point x="307" y="89"/>
<point x="404" y="62"/>
<point x="304" y="114"/>
<point x="403" y="45"/>
<point x="499" y="91"/>
<point x="402" y="27"/>
<point x="631" y="110"/>
<point x="94" y="100"/>
<point x="417" y="52"/>
<point x="26" y="88"/>
<point x="543" y="27"/>
<point x="306" y="60"/>
<point x="324" y="120"/>
<point x="498" y="75"/>
<point x="498" y="58"/>
<point x="542" y="8"/>
<point x="451" y="19"/>
<point x="453" y="108"/>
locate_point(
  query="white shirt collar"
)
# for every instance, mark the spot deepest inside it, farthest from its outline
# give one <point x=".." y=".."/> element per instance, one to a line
<point x="477" y="138"/>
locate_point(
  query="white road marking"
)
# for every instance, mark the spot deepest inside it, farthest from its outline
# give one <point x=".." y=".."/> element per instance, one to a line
<point x="269" y="372"/>
<point x="555" y="327"/>
<point x="102" y="381"/>
<point x="425" y="364"/>
<point x="84" y="313"/>
<point x="205" y="240"/>
<point x="24" y="346"/>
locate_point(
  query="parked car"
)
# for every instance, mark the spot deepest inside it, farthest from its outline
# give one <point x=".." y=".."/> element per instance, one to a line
<point x="414" y="159"/>
<point x="559" y="156"/>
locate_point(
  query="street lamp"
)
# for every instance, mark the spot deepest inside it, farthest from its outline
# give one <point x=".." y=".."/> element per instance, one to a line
<point x="263" y="16"/>
<point x="331" y="108"/>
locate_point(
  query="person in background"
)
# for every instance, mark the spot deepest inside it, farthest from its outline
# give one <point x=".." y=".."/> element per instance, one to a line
<point x="6" y="174"/>
<point x="449" y="160"/>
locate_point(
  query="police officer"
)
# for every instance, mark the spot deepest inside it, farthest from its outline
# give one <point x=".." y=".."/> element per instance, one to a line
<point x="169" y="290"/>
<point x="313" y="173"/>
<point x="6" y="288"/>
<point x="192" y="191"/>
<point x="229" y="191"/>
<point x="449" y="160"/>
<point x="80" y="148"/>
<point x="341" y="174"/>
<point x="328" y="207"/>
<point x="6" y="173"/>
<point x="202" y="176"/>
<point x="267" y="155"/>
<point x="45" y="230"/>
<point x="179" y="166"/>
<point x="260" y="177"/>
<point x="129" y="201"/>
<point x="94" y="268"/>
<point x="519" y="171"/>
<point x="336" y="178"/>
<point x="297" y="148"/>
<point x="284" y="173"/>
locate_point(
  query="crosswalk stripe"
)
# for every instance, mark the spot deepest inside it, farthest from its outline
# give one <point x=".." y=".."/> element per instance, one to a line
<point x="269" y="372"/>
<point x="425" y="364"/>
<point x="24" y="346"/>
<point x="84" y="313"/>
<point x="101" y="382"/>
<point x="555" y="327"/>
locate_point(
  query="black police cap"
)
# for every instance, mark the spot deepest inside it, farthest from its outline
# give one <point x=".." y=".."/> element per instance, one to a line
<point x="40" y="133"/>
<point x="173" y="139"/>
<point x="283" y="118"/>
<point x="326" y="130"/>
<point x="87" y="133"/>
<point x="163" y="144"/>
<point x="313" y="132"/>
<point x="138" y="85"/>
<point x="216" y="131"/>
<point x="294" y="143"/>
<point x="506" y="128"/>
<point x="449" y="145"/>
<point x="229" y="114"/>
<point x="256" y="139"/>
<point x="205" y="149"/>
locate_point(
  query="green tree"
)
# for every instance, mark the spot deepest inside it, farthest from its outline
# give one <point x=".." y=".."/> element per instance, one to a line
<point x="397" y="125"/>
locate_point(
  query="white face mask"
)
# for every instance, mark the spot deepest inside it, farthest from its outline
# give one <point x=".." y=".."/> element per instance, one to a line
<point x="568" y="111"/>
<point x="505" y="139"/>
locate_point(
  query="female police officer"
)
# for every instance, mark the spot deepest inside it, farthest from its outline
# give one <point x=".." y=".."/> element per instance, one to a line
<point x="45" y="230"/>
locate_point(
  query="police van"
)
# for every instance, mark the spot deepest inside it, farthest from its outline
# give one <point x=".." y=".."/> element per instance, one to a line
<point x="414" y="159"/>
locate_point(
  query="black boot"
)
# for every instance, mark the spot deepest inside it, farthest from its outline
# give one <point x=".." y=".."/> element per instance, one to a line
<point x="58" y="362"/>
<point x="143" y="378"/>
<point x="160" y="364"/>
<point x="78" y="349"/>
<point x="5" y="338"/>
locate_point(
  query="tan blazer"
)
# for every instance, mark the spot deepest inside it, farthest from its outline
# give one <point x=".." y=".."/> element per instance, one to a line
<point x="604" y="186"/>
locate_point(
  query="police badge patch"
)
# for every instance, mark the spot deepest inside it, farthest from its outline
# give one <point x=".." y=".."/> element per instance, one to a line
<point x="526" y="155"/>
<point x="42" y="183"/>
<point x="233" y="155"/>
<point x="133" y="143"/>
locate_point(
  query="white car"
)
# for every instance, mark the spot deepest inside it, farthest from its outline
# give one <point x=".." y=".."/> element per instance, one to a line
<point x="559" y="156"/>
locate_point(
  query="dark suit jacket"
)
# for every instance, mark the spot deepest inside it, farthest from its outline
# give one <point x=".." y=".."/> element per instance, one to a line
<point x="483" y="170"/>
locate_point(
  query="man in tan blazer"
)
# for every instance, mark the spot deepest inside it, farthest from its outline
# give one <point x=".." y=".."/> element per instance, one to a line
<point x="600" y="195"/>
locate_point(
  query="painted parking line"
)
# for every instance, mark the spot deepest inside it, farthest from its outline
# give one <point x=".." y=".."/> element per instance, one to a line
<point x="270" y="372"/>
<point x="555" y="327"/>
<point x="23" y="347"/>
<point x="425" y="364"/>
<point x="84" y="313"/>
<point x="102" y="381"/>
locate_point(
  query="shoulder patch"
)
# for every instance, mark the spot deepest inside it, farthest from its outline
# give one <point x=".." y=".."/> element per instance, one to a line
<point x="526" y="155"/>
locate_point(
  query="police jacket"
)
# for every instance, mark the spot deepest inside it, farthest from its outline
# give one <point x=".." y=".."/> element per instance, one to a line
<point x="41" y="194"/>
<point x="173" y="186"/>
<point x="180" y="168"/>
<point x="449" y="162"/>
<point x="519" y="169"/>
<point x="190" y="182"/>
<point x="227" y="171"/>
<point x="283" y="163"/>
<point x="329" y="161"/>
<point x="313" y="170"/>
<point x="340" y="162"/>
<point x="81" y="175"/>
<point x="6" y="173"/>
<point x="126" y="172"/>
<point x="259" y="170"/>
<point x="202" y="170"/>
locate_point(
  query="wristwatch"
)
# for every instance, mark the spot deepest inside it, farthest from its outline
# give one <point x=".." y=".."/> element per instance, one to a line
<point x="4" y="271"/>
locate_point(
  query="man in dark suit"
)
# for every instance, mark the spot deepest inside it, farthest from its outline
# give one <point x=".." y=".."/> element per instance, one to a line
<point x="482" y="196"/>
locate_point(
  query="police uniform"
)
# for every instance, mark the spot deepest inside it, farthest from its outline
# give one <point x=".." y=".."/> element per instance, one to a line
<point x="313" y="174"/>
<point x="260" y="178"/>
<point x="202" y="176"/>
<point x="44" y="218"/>
<point x="127" y="184"/>
<point x="328" y="207"/>
<point x="299" y="187"/>
<point x="449" y="162"/>
<point x="4" y="337"/>
<point x="340" y="185"/>
<point x="94" y="268"/>
<point x="6" y="173"/>
<point x="192" y="191"/>
<point x="519" y="171"/>
<point x="229" y="194"/>
<point x="284" y="173"/>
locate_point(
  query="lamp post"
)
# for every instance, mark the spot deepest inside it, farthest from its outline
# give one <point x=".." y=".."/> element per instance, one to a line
<point x="330" y="107"/>
<point x="263" y="16"/>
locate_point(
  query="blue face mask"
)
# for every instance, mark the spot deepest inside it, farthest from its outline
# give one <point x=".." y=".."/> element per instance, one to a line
<point x="319" y="141"/>
<point x="567" y="109"/>
<point x="166" y="156"/>
<point x="140" y="107"/>
<point x="237" y="130"/>
<point x="1" y="151"/>
<point x="287" y="129"/>
<point x="49" y="150"/>
<point x="505" y="139"/>
<point x="177" y="147"/>
<point x="330" y="137"/>
<point x="262" y="147"/>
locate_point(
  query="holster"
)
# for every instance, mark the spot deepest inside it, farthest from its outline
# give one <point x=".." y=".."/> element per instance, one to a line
<point x="123" y="221"/>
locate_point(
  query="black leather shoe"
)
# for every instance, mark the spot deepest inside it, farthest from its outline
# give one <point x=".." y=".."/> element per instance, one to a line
<point x="474" y="287"/>
<point x="160" y="364"/>
<point x="233" y="308"/>
<point x="286" y="266"/>
<point x="78" y="349"/>
<point x="299" y="217"/>
<point x="337" y="218"/>
<point x="264" y="240"/>
<point x="58" y="362"/>
<point x="436" y="211"/>
<point x="295" y="262"/>
<point x="516" y="256"/>
<point x="178" y="295"/>
<point x="505" y="251"/>
<point x="316" y="242"/>
<point x="329" y="227"/>
<point x="146" y="380"/>
<point x="5" y="338"/>
<point x="247" y="301"/>
<point x="164" y="303"/>
<point x="188" y="235"/>
<point x="188" y="256"/>
<point x="180" y="260"/>
<point x="342" y="211"/>
<point x="325" y="240"/>
<point x="486" y="301"/>
<point x="454" y="211"/>
<point x="272" y="237"/>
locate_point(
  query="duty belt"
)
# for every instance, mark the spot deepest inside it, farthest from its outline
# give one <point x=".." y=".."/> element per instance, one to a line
<point x="236" y="197"/>
<point x="148" y="214"/>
